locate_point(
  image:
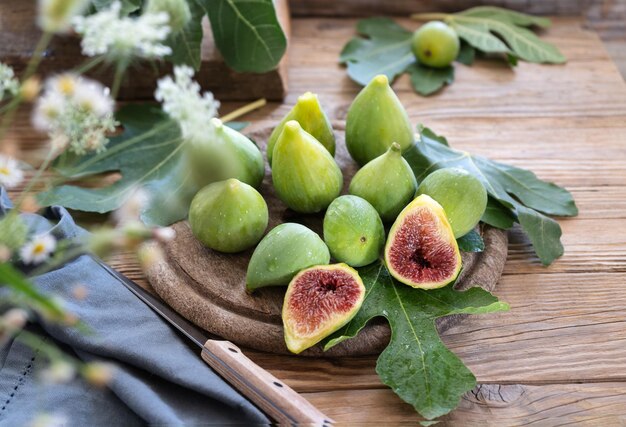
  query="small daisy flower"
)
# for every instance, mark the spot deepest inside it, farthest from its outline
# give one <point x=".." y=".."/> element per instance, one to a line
<point x="8" y="82"/>
<point x="50" y="420"/>
<point x="184" y="103"/>
<point x="38" y="249"/>
<point x="164" y="234"/>
<point x="123" y="38"/>
<point x="58" y="372"/>
<point x="77" y="114"/>
<point x="98" y="373"/>
<point x="55" y="16"/>
<point x="10" y="173"/>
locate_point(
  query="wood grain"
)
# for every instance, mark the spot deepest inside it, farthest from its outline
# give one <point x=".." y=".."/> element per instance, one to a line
<point x="562" y="346"/>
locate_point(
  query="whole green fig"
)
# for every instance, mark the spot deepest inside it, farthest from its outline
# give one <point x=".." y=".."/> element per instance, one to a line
<point x="228" y="216"/>
<point x="375" y="119"/>
<point x="223" y="155"/>
<point x="304" y="173"/>
<point x="309" y="113"/>
<point x="353" y="231"/>
<point x="282" y="253"/>
<point x="387" y="182"/>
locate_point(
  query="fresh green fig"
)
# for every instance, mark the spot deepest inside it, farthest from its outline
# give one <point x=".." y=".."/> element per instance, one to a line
<point x="304" y="173"/>
<point x="421" y="250"/>
<point x="309" y="113"/>
<point x="387" y="182"/>
<point x="226" y="154"/>
<point x="353" y="231"/>
<point x="462" y="195"/>
<point x="375" y="119"/>
<point x="228" y="216"/>
<point x="284" y="251"/>
<point x="319" y="301"/>
<point x="435" y="44"/>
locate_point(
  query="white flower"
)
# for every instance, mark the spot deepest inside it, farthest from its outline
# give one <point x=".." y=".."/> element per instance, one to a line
<point x="183" y="102"/>
<point x="38" y="249"/>
<point x="55" y="16"/>
<point x="76" y="112"/>
<point x="59" y="371"/>
<point x="10" y="173"/>
<point x="122" y="38"/>
<point x="164" y="234"/>
<point x="132" y="207"/>
<point x="50" y="420"/>
<point x="8" y="83"/>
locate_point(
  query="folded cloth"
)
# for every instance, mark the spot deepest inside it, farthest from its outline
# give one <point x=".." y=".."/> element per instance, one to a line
<point x="158" y="378"/>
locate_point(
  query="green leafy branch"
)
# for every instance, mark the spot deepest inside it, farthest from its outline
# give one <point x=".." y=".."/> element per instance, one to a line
<point x="384" y="47"/>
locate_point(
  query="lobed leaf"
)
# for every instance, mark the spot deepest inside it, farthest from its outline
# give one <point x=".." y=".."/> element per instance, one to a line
<point x="517" y="18"/>
<point x="428" y="80"/>
<point x="186" y="44"/>
<point x="416" y="364"/>
<point x="471" y="242"/>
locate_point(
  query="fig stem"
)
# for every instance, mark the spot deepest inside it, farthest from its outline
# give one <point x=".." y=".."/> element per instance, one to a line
<point x="244" y="110"/>
<point x="429" y="16"/>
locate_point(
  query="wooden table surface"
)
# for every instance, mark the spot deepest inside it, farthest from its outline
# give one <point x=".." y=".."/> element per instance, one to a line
<point x="559" y="355"/>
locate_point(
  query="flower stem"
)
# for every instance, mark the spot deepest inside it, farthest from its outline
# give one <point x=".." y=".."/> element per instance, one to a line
<point x="244" y="110"/>
<point x="35" y="178"/>
<point x="88" y="65"/>
<point x="120" y="68"/>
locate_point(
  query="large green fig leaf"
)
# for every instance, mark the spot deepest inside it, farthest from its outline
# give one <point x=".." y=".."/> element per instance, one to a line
<point x="526" y="197"/>
<point x="428" y="80"/>
<point x="147" y="155"/>
<point x="247" y="33"/>
<point x="416" y="364"/>
<point x="385" y="50"/>
<point x="186" y="43"/>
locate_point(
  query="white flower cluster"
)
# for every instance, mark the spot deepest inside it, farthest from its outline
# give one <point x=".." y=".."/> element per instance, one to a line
<point x="183" y="102"/>
<point x="10" y="173"/>
<point x="55" y="16"/>
<point x="8" y="83"/>
<point x="76" y="112"/>
<point x="122" y="38"/>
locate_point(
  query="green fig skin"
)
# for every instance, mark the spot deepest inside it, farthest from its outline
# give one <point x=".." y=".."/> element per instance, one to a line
<point x="375" y="119"/>
<point x="227" y="154"/>
<point x="387" y="182"/>
<point x="304" y="173"/>
<point x="228" y="216"/>
<point x="309" y="113"/>
<point x="353" y="231"/>
<point x="283" y="252"/>
<point x="462" y="196"/>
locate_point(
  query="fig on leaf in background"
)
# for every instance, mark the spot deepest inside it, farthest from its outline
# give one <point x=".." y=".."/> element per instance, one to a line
<point x="353" y="231"/>
<point x="304" y="173"/>
<point x="421" y="250"/>
<point x="223" y="155"/>
<point x="387" y="182"/>
<point x="319" y="301"/>
<point x="376" y="119"/>
<point x="435" y="44"/>
<point x="462" y="196"/>
<point x="287" y="249"/>
<point x="309" y="113"/>
<point x="228" y="216"/>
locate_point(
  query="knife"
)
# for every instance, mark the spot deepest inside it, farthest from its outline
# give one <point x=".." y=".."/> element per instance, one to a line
<point x="272" y="396"/>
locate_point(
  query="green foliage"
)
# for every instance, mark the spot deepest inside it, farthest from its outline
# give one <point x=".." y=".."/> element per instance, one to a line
<point x="384" y="47"/>
<point x="517" y="191"/>
<point x="247" y="33"/>
<point x="471" y="242"/>
<point x="416" y="364"/>
<point x="13" y="231"/>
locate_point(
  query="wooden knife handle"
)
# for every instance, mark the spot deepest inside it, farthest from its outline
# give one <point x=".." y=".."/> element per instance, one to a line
<point x="272" y="396"/>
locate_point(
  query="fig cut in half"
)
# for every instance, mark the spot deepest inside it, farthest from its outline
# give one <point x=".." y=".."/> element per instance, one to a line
<point x="421" y="250"/>
<point x="319" y="301"/>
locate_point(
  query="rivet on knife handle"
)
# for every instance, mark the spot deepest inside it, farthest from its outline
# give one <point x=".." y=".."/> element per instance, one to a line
<point x="271" y="395"/>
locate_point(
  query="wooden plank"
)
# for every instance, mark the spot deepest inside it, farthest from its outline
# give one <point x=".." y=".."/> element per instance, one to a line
<point x="332" y="8"/>
<point x="489" y="405"/>
<point x="19" y="34"/>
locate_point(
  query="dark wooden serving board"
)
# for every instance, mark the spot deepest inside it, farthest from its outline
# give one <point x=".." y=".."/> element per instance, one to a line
<point x="208" y="287"/>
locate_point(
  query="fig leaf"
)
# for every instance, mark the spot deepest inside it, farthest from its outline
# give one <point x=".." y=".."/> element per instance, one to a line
<point x="416" y="364"/>
<point x="517" y="190"/>
<point x="146" y="154"/>
<point x="186" y="44"/>
<point x="471" y="242"/>
<point x="427" y="80"/>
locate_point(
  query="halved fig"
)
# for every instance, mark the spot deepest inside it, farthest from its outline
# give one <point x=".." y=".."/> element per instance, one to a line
<point x="319" y="301"/>
<point x="421" y="250"/>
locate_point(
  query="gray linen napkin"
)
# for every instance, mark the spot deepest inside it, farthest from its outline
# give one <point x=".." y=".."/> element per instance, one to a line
<point x="158" y="378"/>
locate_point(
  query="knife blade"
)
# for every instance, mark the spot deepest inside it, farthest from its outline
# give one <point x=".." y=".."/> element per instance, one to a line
<point x="272" y="396"/>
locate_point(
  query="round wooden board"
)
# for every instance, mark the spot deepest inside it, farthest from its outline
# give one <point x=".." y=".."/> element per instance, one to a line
<point x="208" y="287"/>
